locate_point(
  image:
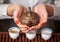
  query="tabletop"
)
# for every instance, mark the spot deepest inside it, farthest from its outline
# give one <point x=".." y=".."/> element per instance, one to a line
<point x="4" y="37"/>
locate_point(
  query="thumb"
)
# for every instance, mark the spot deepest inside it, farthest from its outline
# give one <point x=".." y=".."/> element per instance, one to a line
<point x="15" y="15"/>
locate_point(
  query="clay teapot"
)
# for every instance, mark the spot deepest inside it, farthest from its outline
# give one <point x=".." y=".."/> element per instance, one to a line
<point x="29" y="18"/>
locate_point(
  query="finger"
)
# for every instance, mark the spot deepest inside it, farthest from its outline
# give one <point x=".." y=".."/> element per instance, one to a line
<point x="24" y="30"/>
<point x="21" y="25"/>
<point x="37" y="26"/>
<point x="41" y="24"/>
<point x="33" y="28"/>
<point x="43" y="14"/>
<point x="15" y="15"/>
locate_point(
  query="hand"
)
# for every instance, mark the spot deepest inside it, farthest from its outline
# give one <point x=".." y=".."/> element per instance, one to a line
<point x="41" y="11"/>
<point x="16" y="10"/>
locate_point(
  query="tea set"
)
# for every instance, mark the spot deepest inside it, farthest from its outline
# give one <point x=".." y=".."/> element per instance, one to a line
<point x="30" y="18"/>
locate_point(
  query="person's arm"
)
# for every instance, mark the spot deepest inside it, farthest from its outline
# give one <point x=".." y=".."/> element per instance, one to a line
<point x="53" y="11"/>
<point x="15" y="10"/>
<point x="4" y="11"/>
<point x="50" y="10"/>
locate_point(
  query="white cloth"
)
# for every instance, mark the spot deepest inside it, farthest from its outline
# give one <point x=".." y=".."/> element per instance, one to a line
<point x="56" y="7"/>
<point x="3" y="11"/>
<point x="26" y="3"/>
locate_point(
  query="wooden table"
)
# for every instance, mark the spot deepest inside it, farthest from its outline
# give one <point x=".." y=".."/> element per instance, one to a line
<point x="4" y="37"/>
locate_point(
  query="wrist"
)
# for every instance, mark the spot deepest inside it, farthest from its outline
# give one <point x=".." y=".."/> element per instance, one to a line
<point x="50" y="10"/>
<point x="10" y="9"/>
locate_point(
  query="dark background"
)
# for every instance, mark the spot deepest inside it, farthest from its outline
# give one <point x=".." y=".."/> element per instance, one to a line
<point x="7" y="23"/>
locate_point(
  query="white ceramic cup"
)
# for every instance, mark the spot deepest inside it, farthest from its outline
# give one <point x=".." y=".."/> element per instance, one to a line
<point x="31" y="34"/>
<point x="46" y="33"/>
<point x="13" y="35"/>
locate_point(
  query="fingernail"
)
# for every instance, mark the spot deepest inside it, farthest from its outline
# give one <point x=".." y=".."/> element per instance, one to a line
<point x="42" y="24"/>
<point x="16" y="21"/>
<point x="27" y="28"/>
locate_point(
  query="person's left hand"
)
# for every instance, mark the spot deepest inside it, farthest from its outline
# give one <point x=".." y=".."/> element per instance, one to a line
<point x="42" y="12"/>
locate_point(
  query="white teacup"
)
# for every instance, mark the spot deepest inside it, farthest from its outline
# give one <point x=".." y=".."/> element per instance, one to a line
<point x="14" y="32"/>
<point x="46" y="33"/>
<point x="31" y="34"/>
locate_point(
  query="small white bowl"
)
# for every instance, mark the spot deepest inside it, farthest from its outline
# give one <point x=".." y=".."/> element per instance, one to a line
<point x="46" y="33"/>
<point x="14" y="35"/>
<point x="31" y="34"/>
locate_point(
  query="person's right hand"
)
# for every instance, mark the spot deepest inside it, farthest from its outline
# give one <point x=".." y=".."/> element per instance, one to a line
<point x="16" y="14"/>
<point x="16" y="10"/>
